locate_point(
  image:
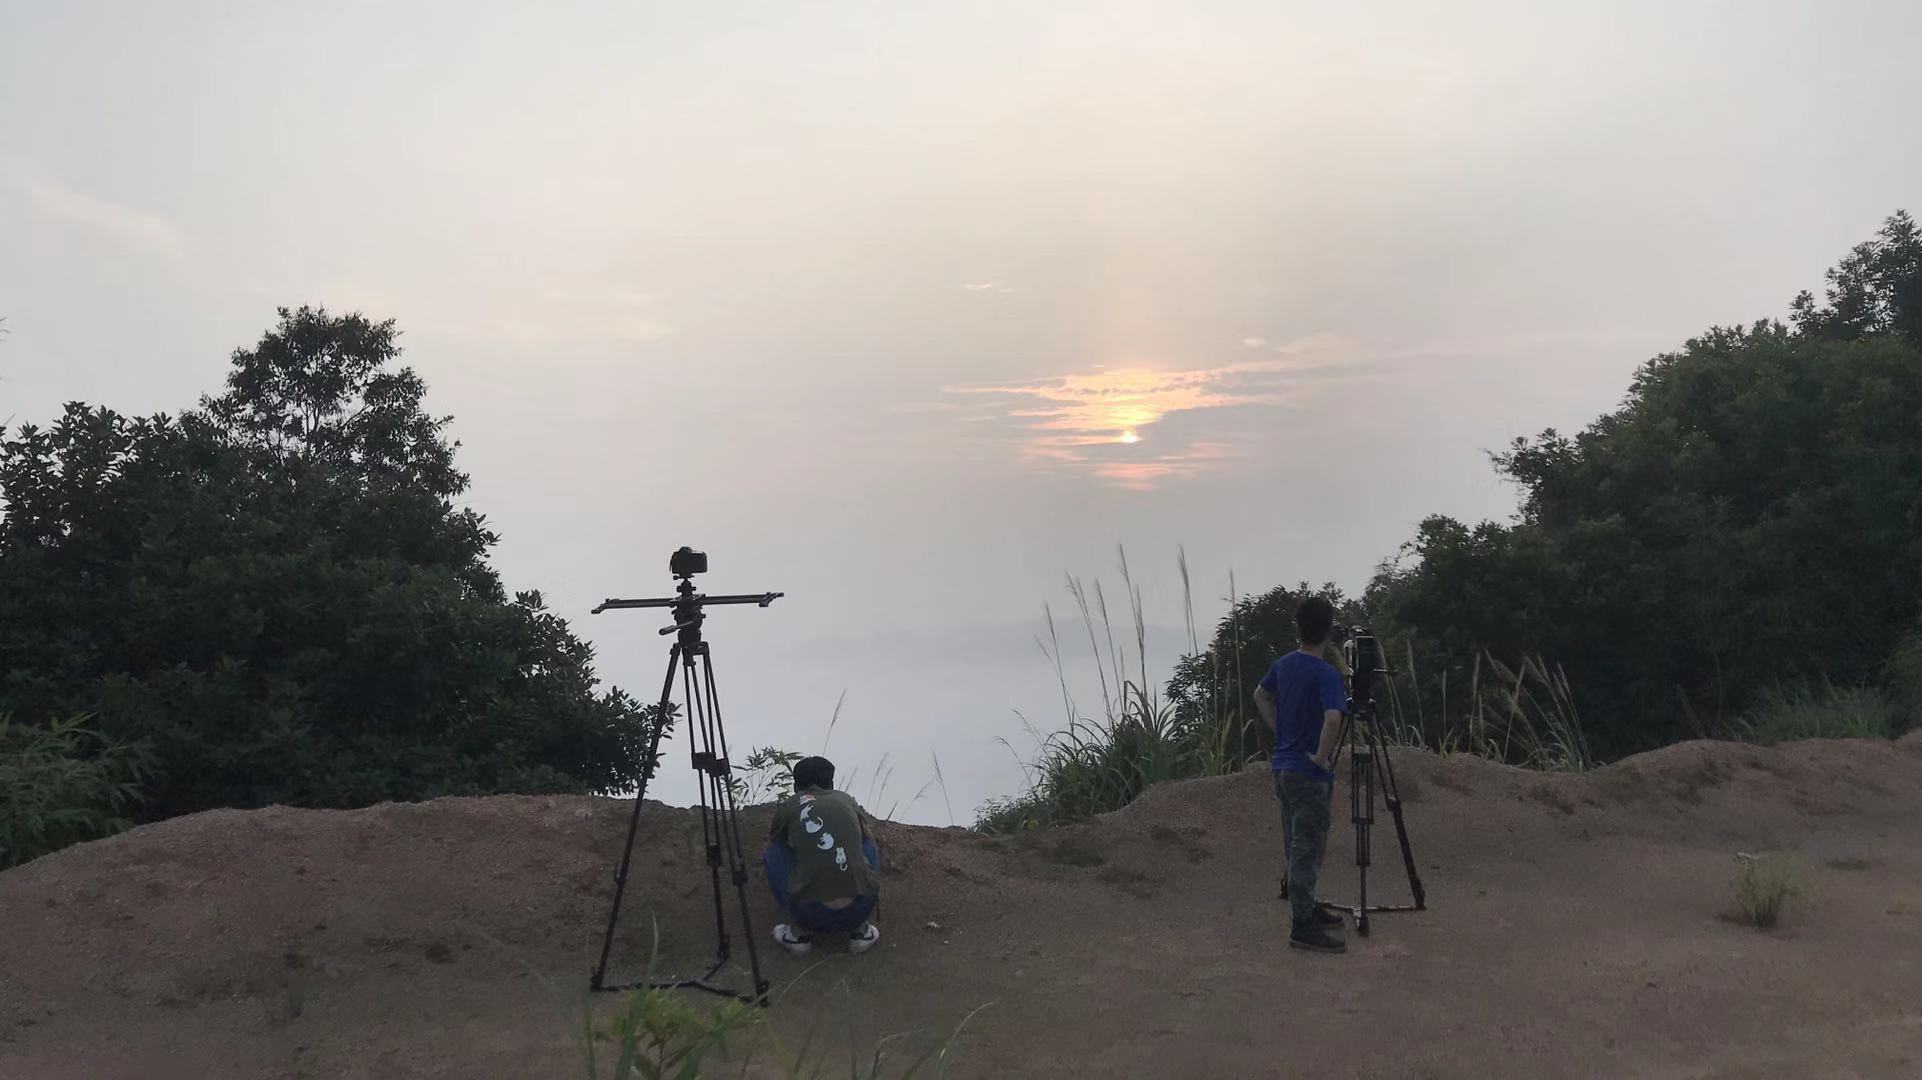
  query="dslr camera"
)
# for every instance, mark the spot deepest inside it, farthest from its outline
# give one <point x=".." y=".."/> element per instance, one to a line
<point x="687" y="562"/>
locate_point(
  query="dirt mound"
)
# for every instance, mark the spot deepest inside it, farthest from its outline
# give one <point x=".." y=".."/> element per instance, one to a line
<point x="1575" y="929"/>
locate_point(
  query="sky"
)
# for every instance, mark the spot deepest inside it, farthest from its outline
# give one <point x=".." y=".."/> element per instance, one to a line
<point x="912" y="310"/>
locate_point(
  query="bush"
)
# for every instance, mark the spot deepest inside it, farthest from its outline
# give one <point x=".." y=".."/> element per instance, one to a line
<point x="1764" y="886"/>
<point x="1902" y="675"/>
<point x="60" y="785"/>
<point x="1821" y="712"/>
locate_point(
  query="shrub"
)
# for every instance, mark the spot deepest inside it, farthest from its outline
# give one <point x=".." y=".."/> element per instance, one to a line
<point x="1821" y="712"/>
<point x="62" y="784"/>
<point x="1764" y="886"/>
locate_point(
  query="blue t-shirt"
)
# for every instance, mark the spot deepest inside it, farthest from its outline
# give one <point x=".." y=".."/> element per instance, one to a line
<point x="1304" y="687"/>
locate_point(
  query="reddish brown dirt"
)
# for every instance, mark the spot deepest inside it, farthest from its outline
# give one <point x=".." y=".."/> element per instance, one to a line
<point x="1577" y="927"/>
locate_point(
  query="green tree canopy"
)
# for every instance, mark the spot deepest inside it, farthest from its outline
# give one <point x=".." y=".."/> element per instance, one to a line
<point x="1218" y="684"/>
<point x="1750" y="517"/>
<point x="276" y="594"/>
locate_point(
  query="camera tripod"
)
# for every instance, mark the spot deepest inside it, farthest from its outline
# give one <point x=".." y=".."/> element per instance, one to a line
<point x="707" y="744"/>
<point x="1368" y="763"/>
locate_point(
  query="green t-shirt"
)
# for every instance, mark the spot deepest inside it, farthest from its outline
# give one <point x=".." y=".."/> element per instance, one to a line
<point x="825" y="830"/>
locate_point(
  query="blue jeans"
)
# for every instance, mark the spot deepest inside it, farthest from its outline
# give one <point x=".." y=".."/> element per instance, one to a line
<point x="1305" y="813"/>
<point x="778" y="861"/>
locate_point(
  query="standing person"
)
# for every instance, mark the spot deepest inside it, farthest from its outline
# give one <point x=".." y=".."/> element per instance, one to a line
<point x="822" y="863"/>
<point x="1302" y="698"/>
<point x="1331" y="651"/>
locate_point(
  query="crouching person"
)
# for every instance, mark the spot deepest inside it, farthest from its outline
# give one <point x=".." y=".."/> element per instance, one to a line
<point x="822" y="864"/>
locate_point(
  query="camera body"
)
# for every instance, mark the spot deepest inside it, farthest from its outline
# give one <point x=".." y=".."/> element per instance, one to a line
<point x="1362" y="650"/>
<point x="687" y="562"/>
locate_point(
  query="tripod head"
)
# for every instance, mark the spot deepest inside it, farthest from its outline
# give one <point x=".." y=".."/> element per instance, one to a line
<point x="686" y="605"/>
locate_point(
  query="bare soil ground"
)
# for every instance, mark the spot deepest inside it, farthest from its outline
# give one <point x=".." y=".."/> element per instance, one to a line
<point x="1577" y="927"/>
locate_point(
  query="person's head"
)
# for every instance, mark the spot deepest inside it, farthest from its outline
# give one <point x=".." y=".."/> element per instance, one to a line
<point x="1314" y="619"/>
<point x="814" y="772"/>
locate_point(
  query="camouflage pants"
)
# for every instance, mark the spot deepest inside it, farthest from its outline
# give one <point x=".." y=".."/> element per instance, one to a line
<point x="1304" y="836"/>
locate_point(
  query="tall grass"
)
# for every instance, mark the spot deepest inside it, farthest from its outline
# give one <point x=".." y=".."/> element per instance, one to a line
<point x="1102" y="759"/>
<point x="1524" y="716"/>
<point x="1823" y="711"/>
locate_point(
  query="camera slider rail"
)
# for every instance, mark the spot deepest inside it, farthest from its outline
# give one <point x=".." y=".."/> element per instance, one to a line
<point x="757" y="599"/>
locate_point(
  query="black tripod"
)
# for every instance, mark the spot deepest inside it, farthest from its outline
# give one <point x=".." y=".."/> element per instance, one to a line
<point x="1368" y="763"/>
<point x="707" y="742"/>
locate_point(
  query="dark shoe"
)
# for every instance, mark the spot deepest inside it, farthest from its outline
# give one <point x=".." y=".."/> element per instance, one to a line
<point x="1330" y="920"/>
<point x="1313" y="938"/>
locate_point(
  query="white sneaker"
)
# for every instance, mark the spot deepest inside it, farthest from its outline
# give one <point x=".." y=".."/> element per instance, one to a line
<point x="795" y="943"/>
<point x="863" y="939"/>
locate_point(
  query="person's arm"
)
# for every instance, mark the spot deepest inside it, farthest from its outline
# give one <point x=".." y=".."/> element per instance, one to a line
<point x="1334" y="705"/>
<point x="1265" y="697"/>
<point x="777" y="832"/>
<point x="1330" y="737"/>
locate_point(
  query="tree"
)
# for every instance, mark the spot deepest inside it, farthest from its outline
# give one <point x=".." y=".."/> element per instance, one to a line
<point x="276" y="594"/>
<point x="1217" y="685"/>
<point x="1750" y="517"/>
<point x="1875" y="289"/>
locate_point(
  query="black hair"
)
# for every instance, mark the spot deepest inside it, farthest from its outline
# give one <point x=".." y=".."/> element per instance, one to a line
<point x="1314" y="618"/>
<point x="813" y="772"/>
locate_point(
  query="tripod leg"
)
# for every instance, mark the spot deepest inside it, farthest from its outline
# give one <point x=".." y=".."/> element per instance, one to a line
<point x="1392" y="796"/>
<point x="634" y="820"/>
<point x="731" y="828"/>
<point x="703" y="757"/>
<point x="1361" y="797"/>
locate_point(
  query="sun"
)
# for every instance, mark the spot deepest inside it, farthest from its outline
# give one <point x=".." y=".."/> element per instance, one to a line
<point x="1128" y="436"/>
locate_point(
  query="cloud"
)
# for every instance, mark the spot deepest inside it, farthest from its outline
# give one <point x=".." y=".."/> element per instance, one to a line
<point x="639" y="330"/>
<point x="580" y="314"/>
<point x="986" y="286"/>
<point x="134" y="228"/>
<point x="1104" y="421"/>
<point x="1254" y="342"/>
<point x="1323" y="344"/>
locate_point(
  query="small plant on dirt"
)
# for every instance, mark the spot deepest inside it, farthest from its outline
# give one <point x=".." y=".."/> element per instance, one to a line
<point x="660" y="1035"/>
<point x="809" y="1064"/>
<point x="1764" y="886"/>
